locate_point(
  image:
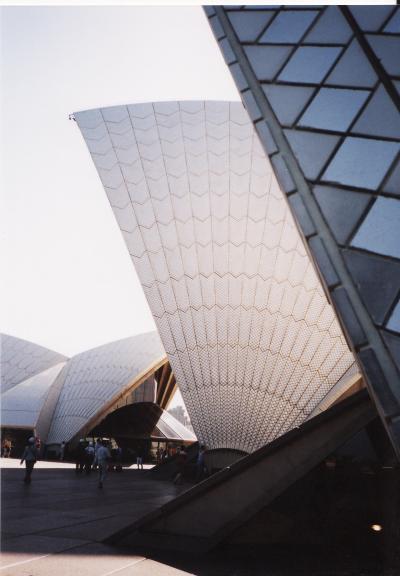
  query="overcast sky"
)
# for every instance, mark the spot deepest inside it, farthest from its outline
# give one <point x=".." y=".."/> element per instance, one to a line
<point x="69" y="282"/>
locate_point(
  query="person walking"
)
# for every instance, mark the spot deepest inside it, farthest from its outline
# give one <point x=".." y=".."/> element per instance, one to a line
<point x="103" y="456"/>
<point x="89" y="457"/>
<point x="97" y="445"/>
<point x="180" y="464"/>
<point x="80" y="457"/>
<point x="62" y="450"/>
<point x="29" y="456"/>
<point x="139" y="460"/>
<point x="118" y="459"/>
<point x="200" y="464"/>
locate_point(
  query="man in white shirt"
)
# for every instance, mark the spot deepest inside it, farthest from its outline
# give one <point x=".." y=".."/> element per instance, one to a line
<point x="103" y="456"/>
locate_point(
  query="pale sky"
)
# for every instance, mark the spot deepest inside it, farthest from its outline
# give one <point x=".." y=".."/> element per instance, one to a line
<point x="68" y="281"/>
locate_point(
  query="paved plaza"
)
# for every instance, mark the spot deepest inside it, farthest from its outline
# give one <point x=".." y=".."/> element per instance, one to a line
<point x="56" y="525"/>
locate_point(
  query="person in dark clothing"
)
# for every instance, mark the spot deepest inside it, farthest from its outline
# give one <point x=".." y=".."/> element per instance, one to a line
<point x="80" y="457"/>
<point x="200" y="464"/>
<point x="180" y="463"/>
<point x="139" y="459"/>
<point x="89" y="457"/>
<point x="30" y="456"/>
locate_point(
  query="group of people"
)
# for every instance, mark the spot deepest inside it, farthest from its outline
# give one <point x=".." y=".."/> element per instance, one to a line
<point x="90" y="456"/>
<point x="181" y="463"/>
<point x="163" y="455"/>
<point x="95" y="456"/>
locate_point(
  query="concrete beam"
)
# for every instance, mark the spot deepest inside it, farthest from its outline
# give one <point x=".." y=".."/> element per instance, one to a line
<point x="205" y="515"/>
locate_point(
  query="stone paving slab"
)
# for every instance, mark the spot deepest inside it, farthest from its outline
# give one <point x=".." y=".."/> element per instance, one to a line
<point x="153" y="568"/>
<point x="38" y="523"/>
<point x="34" y="547"/>
<point x="89" y="560"/>
<point x="54" y="526"/>
<point x="99" y="530"/>
<point x="68" y="516"/>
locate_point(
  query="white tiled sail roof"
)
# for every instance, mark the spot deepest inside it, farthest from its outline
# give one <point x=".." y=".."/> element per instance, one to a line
<point x="92" y="379"/>
<point x="22" y="404"/>
<point x="21" y="360"/>
<point x="251" y="338"/>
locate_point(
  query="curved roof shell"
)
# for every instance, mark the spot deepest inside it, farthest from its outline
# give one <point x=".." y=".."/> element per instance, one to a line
<point x="93" y="381"/>
<point x="20" y="360"/>
<point x="22" y="406"/>
<point x="251" y="338"/>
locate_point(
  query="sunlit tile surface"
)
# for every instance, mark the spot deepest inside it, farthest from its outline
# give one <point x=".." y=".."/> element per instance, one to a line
<point x="251" y="339"/>
<point x="21" y="360"/>
<point x="93" y="379"/>
<point x="21" y="405"/>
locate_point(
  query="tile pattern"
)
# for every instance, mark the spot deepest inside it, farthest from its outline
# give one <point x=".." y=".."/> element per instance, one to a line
<point x="253" y="343"/>
<point x="329" y="101"/>
<point x="94" y="378"/>
<point x="21" y="360"/>
<point x="22" y="404"/>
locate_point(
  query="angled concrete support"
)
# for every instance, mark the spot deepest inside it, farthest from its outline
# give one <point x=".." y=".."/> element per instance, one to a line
<point x="205" y="515"/>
